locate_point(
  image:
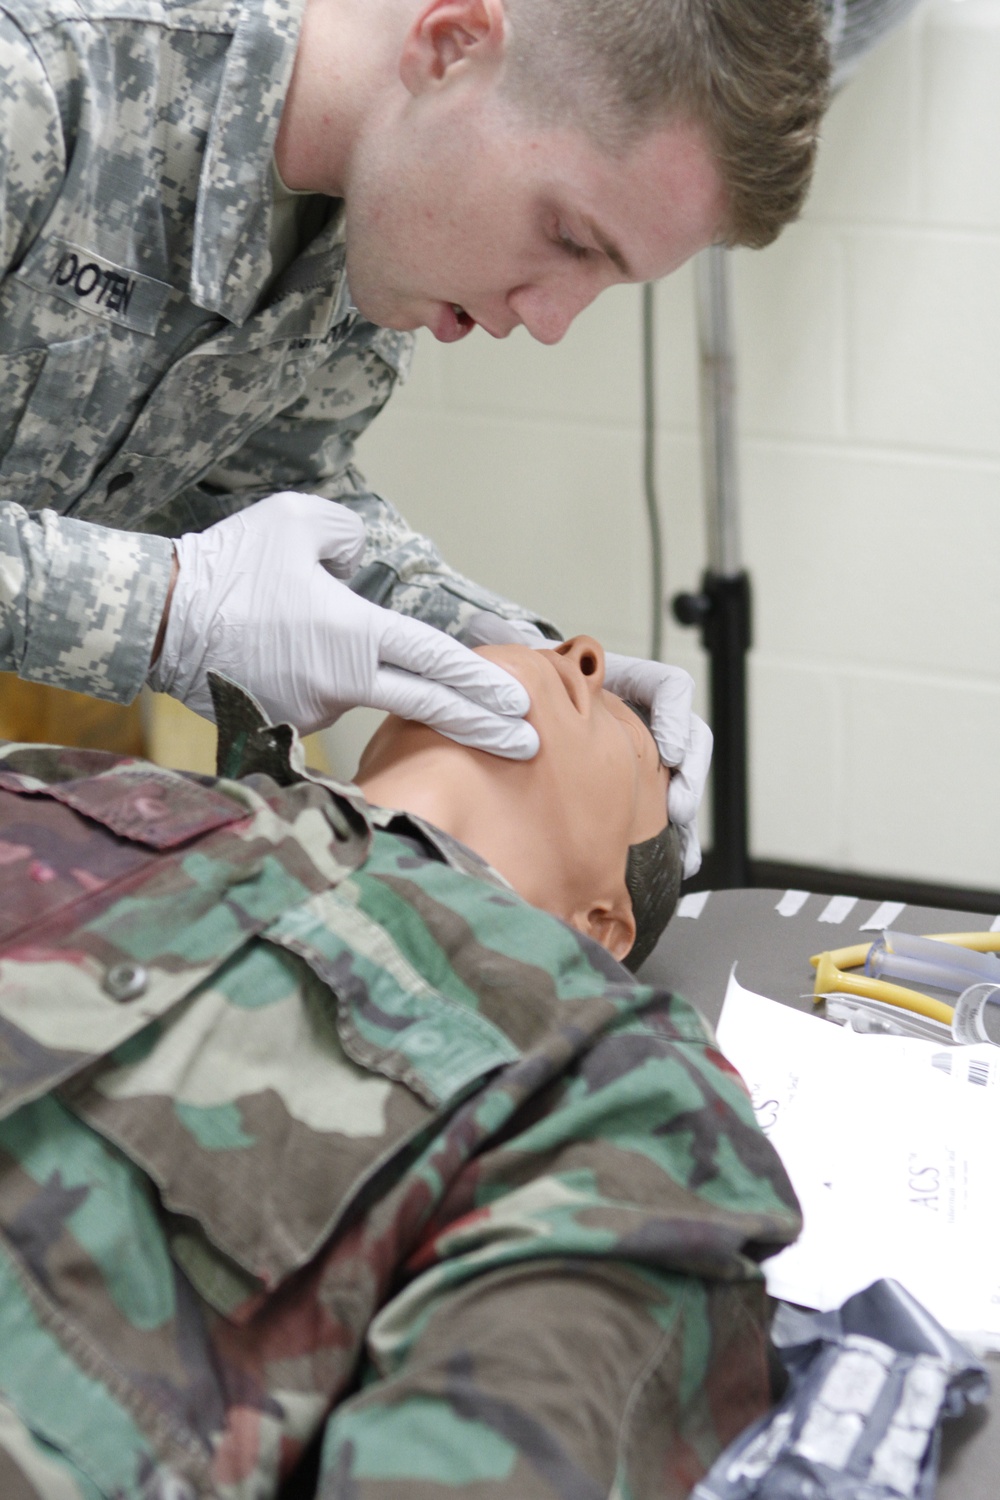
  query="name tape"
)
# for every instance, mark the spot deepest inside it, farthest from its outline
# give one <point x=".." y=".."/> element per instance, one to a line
<point x="87" y="280"/>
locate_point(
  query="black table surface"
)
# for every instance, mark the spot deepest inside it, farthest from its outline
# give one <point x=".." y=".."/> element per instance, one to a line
<point x="771" y="952"/>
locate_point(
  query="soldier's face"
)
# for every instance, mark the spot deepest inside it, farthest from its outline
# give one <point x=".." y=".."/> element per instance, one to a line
<point x="559" y="826"/>
<point x="460" y="212"/>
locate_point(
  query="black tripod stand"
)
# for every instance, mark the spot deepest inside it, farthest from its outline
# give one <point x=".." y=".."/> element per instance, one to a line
<point x="722" y="607"/>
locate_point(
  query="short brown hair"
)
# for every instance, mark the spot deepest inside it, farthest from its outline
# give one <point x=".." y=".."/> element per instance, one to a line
<point x="653" y="873"/>
<point x="754" y="74"/>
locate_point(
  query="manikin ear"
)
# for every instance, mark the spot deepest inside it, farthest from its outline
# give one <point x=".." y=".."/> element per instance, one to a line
<point x="612" y="925"/>
<point x="449" y="35"/>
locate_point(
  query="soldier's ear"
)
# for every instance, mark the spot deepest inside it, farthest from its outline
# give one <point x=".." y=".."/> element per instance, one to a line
<point x="447" y="38"/>
<point x="610" y="923"/>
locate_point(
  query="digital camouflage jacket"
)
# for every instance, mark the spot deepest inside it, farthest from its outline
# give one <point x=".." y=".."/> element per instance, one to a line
<point x="322" y="1150"/>
<point x="154" y="375"/>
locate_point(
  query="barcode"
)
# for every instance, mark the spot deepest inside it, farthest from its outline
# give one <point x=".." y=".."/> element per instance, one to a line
<point x="975" y="1069"/>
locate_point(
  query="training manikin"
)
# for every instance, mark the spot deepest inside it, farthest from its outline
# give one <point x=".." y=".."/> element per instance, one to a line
<point x="558" y="827"/>
<point x="321" y="1146"/>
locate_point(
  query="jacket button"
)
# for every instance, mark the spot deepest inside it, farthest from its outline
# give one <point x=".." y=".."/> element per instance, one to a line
<point x="119" y="482"/>
<point x="423" y="1041"/>
<point x="126" y="981"/>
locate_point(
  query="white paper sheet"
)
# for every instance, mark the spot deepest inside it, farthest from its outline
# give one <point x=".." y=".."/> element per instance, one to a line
<point x="893" y="1147"/>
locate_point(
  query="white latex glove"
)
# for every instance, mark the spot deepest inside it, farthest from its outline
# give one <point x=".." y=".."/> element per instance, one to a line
<point x="683" y="740"/>
<point x="254" y="599"/>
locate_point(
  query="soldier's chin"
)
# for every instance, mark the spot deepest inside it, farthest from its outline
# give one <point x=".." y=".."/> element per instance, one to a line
<point x="376" y="304"/>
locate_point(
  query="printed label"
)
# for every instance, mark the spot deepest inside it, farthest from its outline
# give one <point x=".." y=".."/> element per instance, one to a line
<point x="86" y="280"/>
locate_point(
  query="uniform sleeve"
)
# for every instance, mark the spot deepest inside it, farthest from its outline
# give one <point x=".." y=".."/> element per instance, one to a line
<point x="32" y="152"/>
<point x="80" y="605"/>
<point x="404" y="569"/>
<point x="585" y="1316"/>
<point x="310" y="446"/>
<point x="561" y="1381"/>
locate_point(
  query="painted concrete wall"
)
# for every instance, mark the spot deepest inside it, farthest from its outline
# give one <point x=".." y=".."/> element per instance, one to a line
<point x="869" y="345"/>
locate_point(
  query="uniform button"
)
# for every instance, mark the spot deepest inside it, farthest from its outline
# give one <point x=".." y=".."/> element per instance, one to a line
<point x="119" y="482"/>
<point x="339" y="824"/>
<point x="126" y="981"/>
<point x="423" y="1043"/>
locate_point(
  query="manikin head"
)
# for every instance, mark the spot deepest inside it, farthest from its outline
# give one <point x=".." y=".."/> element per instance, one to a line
<point x="571" y="830"/>
<point x="503" y="161"/>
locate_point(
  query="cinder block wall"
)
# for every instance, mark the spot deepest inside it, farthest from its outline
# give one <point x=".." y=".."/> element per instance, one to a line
<point x="869" y="348"/>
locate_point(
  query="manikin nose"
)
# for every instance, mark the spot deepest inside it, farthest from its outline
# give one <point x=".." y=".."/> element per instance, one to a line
<point x="587" y="656"/>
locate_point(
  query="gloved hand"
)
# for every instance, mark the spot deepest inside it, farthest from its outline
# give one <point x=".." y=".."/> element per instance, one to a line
<point x="684" y="741"/>
<point x="254" y="599"/>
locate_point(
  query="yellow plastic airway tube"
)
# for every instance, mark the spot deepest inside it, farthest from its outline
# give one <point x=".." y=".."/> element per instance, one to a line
<point x="850" y="958"/>
<point x="829" y="977"/>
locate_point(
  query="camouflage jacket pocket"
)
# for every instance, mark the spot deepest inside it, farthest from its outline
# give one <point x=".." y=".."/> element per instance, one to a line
<point x="286" y="1094"/>
<point x="390" y="1017"/>
<point x="18" y="373"/>
<point x="262" y="1134"/>
<point x="47" y="425"/>
<point x="124" y="893"/>
<point x="69" y="845"/>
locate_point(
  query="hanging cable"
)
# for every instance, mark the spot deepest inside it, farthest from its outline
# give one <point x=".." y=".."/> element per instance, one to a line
<point x="649" y="472"/>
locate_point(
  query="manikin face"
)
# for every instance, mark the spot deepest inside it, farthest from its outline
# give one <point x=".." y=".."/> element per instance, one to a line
<point x="461" y="211"/>
<point x="558" y="827"/>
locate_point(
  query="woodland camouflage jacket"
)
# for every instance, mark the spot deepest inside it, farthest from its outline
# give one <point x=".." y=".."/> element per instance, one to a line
<point x="155" y="372"/>
<point x="313" y="1132"/>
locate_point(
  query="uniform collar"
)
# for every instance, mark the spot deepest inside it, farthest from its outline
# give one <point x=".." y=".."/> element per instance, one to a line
<point x="444" y="846"/>
<point x="315" y="281"/>
<point x="249" y="744"/>
<point x="232" y="257"/>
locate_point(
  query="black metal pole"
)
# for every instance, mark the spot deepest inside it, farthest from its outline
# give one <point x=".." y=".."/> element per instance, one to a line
<point x="723" y="611"/>
<point x="722" y="608"/>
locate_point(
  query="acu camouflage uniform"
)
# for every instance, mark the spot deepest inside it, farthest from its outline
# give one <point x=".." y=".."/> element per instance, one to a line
<point x="313" y="1133"/>
<point x="157" y="370"/>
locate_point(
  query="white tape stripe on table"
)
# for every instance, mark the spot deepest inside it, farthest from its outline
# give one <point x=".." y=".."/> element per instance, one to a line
<point x="837" y="908"/>
<point x="792" y="903"/>
<point x="883" y="916"/>
<point x="693" y="904"/>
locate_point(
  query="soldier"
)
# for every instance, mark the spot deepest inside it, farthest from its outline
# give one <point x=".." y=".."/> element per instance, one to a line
<point x="325" y="1156"/>
<point x="219" y="223"/>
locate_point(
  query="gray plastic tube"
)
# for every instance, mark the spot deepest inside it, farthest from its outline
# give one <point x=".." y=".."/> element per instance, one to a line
<point x="920" y="961"/>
